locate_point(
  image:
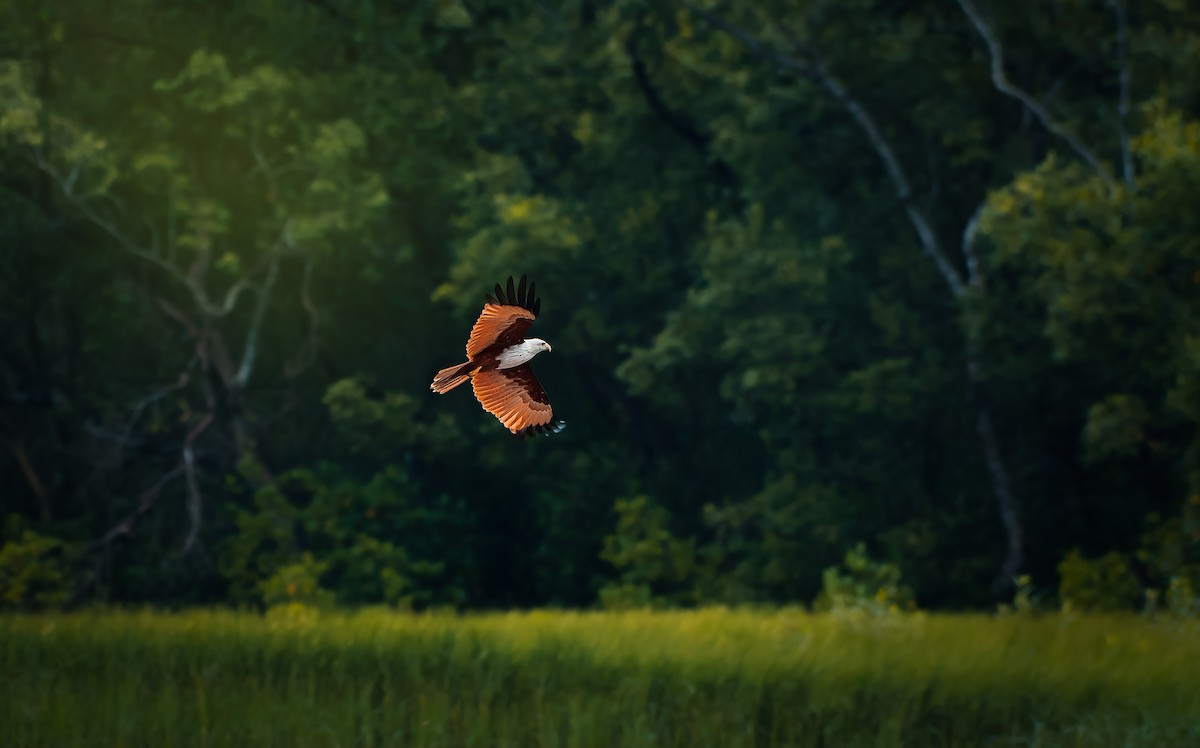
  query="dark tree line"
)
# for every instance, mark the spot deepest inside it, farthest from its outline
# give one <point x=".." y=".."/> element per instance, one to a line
<point x="922" y="276"/>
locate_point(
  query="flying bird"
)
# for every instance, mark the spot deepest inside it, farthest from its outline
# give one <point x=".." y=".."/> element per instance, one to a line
<point x="498" y="356"/>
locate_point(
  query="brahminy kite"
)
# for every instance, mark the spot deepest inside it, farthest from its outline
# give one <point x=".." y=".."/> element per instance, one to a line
<point x="498" y="356"/>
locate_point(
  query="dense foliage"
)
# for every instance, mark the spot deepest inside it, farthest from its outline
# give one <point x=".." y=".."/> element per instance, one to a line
<point x="920" y="276"/>
<point x="708" y="677"/>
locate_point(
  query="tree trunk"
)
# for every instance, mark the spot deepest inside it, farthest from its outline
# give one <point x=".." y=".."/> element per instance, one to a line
<point x="808" y="61"/>
<point x="1010" y="507"/>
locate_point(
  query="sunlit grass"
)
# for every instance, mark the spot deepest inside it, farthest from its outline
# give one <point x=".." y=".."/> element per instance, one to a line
<point x="704" y="678"/>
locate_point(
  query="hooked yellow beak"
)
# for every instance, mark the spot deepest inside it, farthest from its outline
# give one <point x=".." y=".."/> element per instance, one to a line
<point x="548" y="348"/>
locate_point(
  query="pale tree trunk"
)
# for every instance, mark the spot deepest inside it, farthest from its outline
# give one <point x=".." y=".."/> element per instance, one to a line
<point x="222" y="378"/>
<point x="1124" y="72"/>
<point x="1005" y="86"/>
<point x="1008" y="504"/>
<point x="812" y="64"/>
<point x="806" y="60"/>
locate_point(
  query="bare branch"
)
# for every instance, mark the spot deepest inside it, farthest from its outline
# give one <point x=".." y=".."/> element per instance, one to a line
<point x="751" y="42"/>
<point x="84" y="205"/>
<point x="153" y="397"/>
<point x="307" y="354"/>
<point x="1061" y="81"/>
<point x="66" y="185"/>
<point x="269" y="262"/>
<point x="1005" y="86"/>
<point x="69" y="183"/>
<point x="1010" y="508"/>
<point x="250" y="351"/>
<point x="231" y="296"/>
<point x="682" y="125"/>
<point x="195" y="502"/>
<point x="1123" y="106"/>
<point x="203" y="338"/>
<point x="929" y="240"/>
<point x="122" y="528"/>
<point x="974" y="261"/>
<point x="220" y="358"/>
<point x="145" y="502"/>
<point x="174" y="313"/>
<point x="210" y="343"/>
<point x="819" y="70"/>
<point x="123" y="439"/>
<point x="193" y="279"/>
<point x="263" y="164"/>
<point x="21" y="455"/>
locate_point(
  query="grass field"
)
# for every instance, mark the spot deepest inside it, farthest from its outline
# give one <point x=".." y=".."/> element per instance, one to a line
<point x="703" y="678"/>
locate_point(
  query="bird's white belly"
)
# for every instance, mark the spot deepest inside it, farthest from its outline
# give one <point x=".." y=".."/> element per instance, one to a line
<point x="514" y="355"/>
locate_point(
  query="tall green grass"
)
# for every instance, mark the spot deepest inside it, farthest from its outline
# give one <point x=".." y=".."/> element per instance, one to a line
<point x="704" y="678"/>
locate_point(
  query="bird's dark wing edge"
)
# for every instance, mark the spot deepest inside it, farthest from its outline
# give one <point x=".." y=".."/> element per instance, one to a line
<point x="528" y="381"/>
<point x="522" y="295"/>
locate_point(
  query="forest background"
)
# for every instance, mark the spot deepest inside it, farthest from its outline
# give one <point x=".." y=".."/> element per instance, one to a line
<point x="920" y="276"/>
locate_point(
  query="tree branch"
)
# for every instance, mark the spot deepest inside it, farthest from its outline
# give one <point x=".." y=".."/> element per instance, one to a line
<point x="195" y="503"/>
<point x="191" y="280"/>
<point x="264" y="165"/>
<point x="146" y="401"/>
<point x="974" y="261"/>
<point x="1010" y="508"/>
<point x="681" y="124"/>
<point x="174" y="313"/>
<point x="819" y="70"/>
<point x="250" y="350"/>
<point x="1123" y="105"/>
<point x="145" y="502"/>
<point x="929" y="240"/>
<point x="1004" y="85"/>
<point x="307" y="354"/>
<point x="67" y="187"/>
<point x="19" y="453"/>
<point x="124" y="438"/>
<point x="751" y="42"/>
<point x="231" y="296"/>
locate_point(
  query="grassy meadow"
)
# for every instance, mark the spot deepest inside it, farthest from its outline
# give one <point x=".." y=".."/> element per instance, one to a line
<point x="713" y="677"/>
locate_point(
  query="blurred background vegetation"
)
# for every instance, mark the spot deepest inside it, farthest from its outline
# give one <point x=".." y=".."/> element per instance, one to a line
<point x="854" y="300"/>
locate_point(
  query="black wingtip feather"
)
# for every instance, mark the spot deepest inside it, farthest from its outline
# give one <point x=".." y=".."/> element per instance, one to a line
<point x="547" y="429"/>
<point x="523" y="295"/>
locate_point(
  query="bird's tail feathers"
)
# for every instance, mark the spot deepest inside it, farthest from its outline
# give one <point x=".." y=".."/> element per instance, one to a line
<point x="450" y="377"/>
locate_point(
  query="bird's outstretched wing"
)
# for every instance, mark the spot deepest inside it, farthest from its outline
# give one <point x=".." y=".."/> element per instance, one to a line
<point x="516" y="397"/>
<point x="504" y="318"/>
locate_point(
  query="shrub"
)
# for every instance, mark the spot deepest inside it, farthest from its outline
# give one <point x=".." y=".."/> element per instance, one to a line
<point x="34" y="571"/>
<point x="655" y="566"/>
<point x="1103" y="584"/>
<point x="862" y="584"/>
<point x="297" y="583"/>
<point x="318" y="530"/>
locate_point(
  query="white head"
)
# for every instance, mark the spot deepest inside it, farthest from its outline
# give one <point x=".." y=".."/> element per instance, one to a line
<point x="515" y="355"/>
